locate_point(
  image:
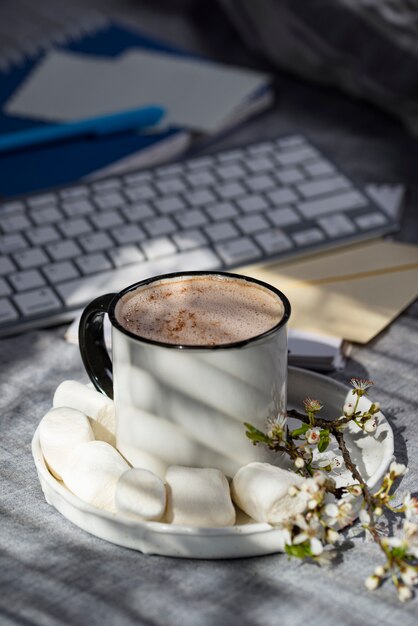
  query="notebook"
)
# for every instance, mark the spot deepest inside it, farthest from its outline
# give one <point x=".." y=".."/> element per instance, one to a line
<point x="48" y="166"/>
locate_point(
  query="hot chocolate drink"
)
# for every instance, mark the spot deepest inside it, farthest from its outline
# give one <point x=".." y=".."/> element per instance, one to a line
<point x="199" y="310"/>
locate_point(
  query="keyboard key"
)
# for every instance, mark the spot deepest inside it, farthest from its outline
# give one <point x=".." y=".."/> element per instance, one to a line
<point x="238" y="251"/>
<point x="189" y="239"/>
<point x="137" y="178"/>
<point x="142" y="192"/>
<point x="274" y="241"/>
<point x="291" y="142"/>
<point x="323" y="186"/>
<point x="168" y="170"/>
<point x="6" y="266"/>
<point x="282" y="196"/>
<point x="283" y="216"/>
<point x="7" y="311"/>
<point x="12" y="243"/>
<point x="230" y="171"/>
<point x="60" y="271"/>
<point x="42" y="235"/>
<point x="260" y="164"/>
<point x="308" y="236"/>
<point x="294" y="157"/>
<point x="200" y="178"/>
<point x="252" y="203"/>
<point x="258" y="149"/>
<point x="11" y="207"/>
<point x="200" y="162"/>
<point x="93" y="263"/>
<point x="106" y="220"/>
<point x="65" y="249"/>
<point x="170" y="204"/>
<point x="156" y="248"/>
<point x="252" y="224"/>
<point x="138" y="211"/>
<point x="75" y="208"/>
<point x="160" y="226"/>
<point x="263" y="182"/>
<point x="109" y="200"/>
<point x="371" y="220"/>
<point x="199" y="197"/>
<point x="77" y="292"/>
<point x="4" y="288"/>
<point x="38" y="301"/>
<point x="95" y="242"/>
<point x="170" y="185"/>
<point x="74" y="192"/>
<point x="319" y="168"/>
<point x="337" y="225"/>
<point x="25" y="280"/>
<point x="290" y="176"/>
<point x="330" y="204"/>
<point x="130" y="233"/>
<point x="42" y="200"/>
<point x="221" y="211"/>
<point x="230" y="155"/>
<point x="108" y="184"/>
<point x="46" y="215"/>
<point x="125" y="255"/>
<point x="14" y="223"/>
<point x="191" y="218"/>
<point x="227" y="191"/>
<point x="221" y="231"/>
<point x="34" y="257"/>
<point x="75" y="227"/>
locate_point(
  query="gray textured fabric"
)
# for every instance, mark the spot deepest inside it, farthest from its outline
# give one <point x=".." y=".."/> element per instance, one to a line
<point x="52" y="573"/>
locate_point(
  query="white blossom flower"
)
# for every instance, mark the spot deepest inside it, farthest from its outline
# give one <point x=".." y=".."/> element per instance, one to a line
<point x="411" y="506"/>
<point x="310" y="531"/>
<point x="408" y="539"/>
<point x="276" y="426"/>
<point x="311" y="405"/>
<point x="313" y="435"/>
<point x="397" y="469"/>
<point x="404" y="593"/>
<point x="372" y="582"/>
<point x="361" y="384"/>
<point x="331" y="510"/>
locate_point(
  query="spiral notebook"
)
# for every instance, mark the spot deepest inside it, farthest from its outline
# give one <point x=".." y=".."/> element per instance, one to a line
<point x="48" y="166"/>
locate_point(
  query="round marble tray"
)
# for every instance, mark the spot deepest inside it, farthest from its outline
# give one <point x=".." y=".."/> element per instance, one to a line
<point x="372" y="454"/>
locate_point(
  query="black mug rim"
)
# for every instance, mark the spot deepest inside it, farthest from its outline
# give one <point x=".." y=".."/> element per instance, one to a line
<point x="175" y="346"/>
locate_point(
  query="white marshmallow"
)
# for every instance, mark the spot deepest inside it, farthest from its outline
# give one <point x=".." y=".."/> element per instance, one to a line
<point x="92" y="472"/>
<point x="98" y="407"/>
<point x="140" y="493"/>
<point x="261" y="491"/>
<point x="60" y="431"/>
<point x="198" y="497"/>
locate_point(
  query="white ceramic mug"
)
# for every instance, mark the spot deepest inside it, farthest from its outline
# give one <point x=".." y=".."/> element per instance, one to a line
<point x="185" y="405"/>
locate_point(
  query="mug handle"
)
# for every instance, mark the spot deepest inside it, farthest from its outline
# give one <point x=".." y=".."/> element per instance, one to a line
<point x="92" y="346"/>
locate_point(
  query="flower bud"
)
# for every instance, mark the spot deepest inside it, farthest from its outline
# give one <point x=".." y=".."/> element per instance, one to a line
<point x="378" y="511"/>
<point x="332" y="535"/>
<point x="372" y="582"/>
<point x="348" y="409"/>
<point x="380" y="571"/>
<point x="299" y="463"/>
<point x="404" y="593"/>
<point x="364" y="517"/>
<point x="409" y="576"/>
<point x="355" y="490"/>
<point x="371" y="425"/>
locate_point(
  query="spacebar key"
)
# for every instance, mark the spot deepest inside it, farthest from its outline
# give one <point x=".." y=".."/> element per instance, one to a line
<point x="76" y="293"/>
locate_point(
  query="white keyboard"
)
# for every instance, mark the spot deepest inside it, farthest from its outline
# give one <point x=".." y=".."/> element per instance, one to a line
<point x="61" y="249"/>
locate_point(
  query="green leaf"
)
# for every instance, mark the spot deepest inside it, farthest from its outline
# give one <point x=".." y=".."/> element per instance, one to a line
<point x="301" y="551"/>
<point x="323" y="443"/>
<point x="299" y="431"/>
<point x="255" y="435"/>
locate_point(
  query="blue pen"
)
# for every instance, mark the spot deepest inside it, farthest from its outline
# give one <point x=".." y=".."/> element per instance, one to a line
<point x="103" y="125"/>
